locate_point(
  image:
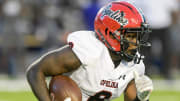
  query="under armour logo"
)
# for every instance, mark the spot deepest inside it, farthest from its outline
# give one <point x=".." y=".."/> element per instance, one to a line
<point x="122" y="76"/>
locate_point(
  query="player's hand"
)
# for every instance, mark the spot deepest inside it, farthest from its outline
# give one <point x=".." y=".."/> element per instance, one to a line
<point x="144" y="86"/>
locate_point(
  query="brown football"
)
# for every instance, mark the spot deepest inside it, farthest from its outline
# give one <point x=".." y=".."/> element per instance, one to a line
<point x="62" y="87"/>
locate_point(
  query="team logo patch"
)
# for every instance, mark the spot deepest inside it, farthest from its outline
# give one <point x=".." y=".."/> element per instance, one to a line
<point x="116" y="15"/>
<point x="108" y="83"/>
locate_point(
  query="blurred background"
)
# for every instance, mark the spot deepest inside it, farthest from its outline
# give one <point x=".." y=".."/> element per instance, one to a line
<point x="30" y="28"/>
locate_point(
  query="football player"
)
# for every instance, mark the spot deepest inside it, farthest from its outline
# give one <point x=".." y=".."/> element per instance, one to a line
<point x="104" y="63"/>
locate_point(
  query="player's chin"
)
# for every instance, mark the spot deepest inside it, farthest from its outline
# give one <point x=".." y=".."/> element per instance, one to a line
<point x="132" y="52"/>
<point x="127" y="59"/>
<point x="129" y="56"/>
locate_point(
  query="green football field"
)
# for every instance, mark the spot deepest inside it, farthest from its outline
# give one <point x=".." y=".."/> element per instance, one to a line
<point x="28" y="96"/>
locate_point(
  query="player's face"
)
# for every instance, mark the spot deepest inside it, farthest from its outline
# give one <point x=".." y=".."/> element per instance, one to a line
<point x="132" y="43"/>
<point x="130" y="46"/>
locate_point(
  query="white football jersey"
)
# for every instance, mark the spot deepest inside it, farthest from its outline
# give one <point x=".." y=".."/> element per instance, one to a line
<point x="97" y="76"/>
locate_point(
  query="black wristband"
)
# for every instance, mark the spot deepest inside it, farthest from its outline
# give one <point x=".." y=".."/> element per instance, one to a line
<point x="137" y="99"/>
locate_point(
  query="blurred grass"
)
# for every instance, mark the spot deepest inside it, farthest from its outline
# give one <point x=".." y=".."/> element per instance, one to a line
<point x="28" y="96"/>
<point x="160" y="96"/>
<point x="17" y="96"/>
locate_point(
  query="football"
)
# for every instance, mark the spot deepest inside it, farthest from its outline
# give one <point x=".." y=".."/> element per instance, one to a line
<point x="63" y="88"/>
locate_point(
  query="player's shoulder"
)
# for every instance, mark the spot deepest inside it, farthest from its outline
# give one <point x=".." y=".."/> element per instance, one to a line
<point x="85" y="39"/>
<point x="80" y="34"/>
<point x="86" y="46"/>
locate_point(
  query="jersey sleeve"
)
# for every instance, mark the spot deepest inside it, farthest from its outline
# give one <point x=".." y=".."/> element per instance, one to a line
<point x="84" y="46"/>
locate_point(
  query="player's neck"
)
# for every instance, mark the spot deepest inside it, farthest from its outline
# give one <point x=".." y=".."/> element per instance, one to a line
<point x="115" y="58"/>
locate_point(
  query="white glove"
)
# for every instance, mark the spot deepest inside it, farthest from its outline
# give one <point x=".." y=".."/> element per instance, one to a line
<point x="144" y="86"/>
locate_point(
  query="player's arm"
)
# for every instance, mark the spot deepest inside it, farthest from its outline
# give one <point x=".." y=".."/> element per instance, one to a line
<point x="130" y="92"/>
<point x="52" y="63"/>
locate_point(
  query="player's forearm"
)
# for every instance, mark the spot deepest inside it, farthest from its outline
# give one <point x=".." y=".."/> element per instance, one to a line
<point x="38" y="85"/>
